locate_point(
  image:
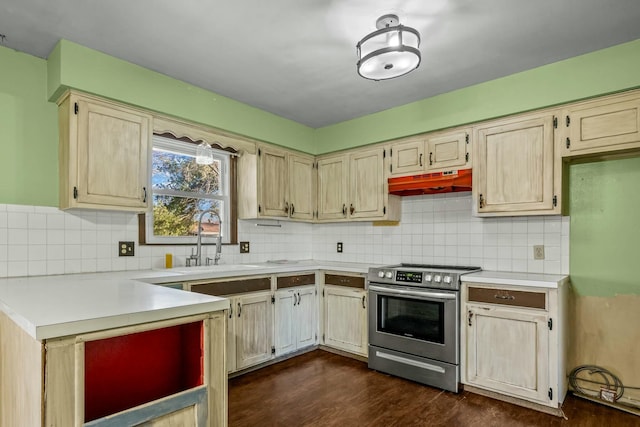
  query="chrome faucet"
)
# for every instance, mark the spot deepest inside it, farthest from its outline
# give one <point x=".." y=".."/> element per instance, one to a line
<point x="197" y="257"/>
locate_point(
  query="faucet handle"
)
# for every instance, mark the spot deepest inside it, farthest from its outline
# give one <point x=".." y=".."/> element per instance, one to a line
<point x="207" y="261"/>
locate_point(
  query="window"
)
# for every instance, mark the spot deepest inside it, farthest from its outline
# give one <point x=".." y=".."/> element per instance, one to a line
<point x="181" y="190"/>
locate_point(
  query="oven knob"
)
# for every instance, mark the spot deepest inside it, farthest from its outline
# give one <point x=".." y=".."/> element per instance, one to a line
<point x="389" y="275"/>
<point x="381" y="274"/>
<point x="447" y="279"/>
<point x="437" y="278"/>
<point x="427" y="278"/>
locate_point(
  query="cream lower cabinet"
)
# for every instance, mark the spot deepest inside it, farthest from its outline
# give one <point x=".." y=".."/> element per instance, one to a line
<point x="345" y="319"/>
<point x="513" y="341"/>
<point x="253" y="326"/>
<point x="517" y="166"/>
<point x="250" y="318"/>
<point x="164" y="373"/>
<point x="103" y="153"/>
<point x="295" y="319"/>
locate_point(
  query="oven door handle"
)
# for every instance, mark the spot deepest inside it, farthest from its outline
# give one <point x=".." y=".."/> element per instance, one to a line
<point x="422" y="295"/>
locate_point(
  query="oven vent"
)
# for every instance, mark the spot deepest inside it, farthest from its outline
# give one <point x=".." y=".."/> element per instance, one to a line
<point x="431" y="183"/>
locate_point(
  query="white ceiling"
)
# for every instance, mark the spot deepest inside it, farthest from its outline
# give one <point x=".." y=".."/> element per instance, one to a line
<point x="296" y="58"/>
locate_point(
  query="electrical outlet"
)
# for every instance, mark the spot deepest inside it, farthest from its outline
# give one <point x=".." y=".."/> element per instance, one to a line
<point x="244" y="247"/>
<point x="339" y="247"/>
<point x="125" y="249"/>
<point x="538" y="251"/>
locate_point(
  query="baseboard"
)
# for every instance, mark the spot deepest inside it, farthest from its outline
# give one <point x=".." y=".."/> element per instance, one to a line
<point x="344" y="353"/>
<point x="516" y="401"/>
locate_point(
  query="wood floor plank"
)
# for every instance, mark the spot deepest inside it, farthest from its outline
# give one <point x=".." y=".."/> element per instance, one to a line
<point x="325" y="389"/>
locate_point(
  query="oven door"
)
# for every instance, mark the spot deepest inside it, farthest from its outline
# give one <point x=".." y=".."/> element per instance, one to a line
<point x="422" y="322"/>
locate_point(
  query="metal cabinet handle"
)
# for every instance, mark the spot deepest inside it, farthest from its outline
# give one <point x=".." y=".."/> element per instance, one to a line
<point x="352" y="209"/>
<point x="509" y="297"/>
<point x="344" y="210"/>
<point x="144" y="194"/>
<point x="363" y="304"/>
<point x="420" y="159"/>
<point x="286" y="207"/>
<point x="239" y="309"/>
<point x="230" y="311"/>
<point x="295" y="300"/>
<point x="299" y="298"/>
<point x="481" y="201"/>
<point x="470" y="317"/>
<point x="430" y="158"/>
<point x="293" y="209"/>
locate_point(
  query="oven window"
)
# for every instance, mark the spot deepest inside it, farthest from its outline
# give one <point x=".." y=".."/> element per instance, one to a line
<point x="422" y="320"/>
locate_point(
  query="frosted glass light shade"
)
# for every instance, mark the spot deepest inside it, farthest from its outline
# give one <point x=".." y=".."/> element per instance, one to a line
<point x="389" y="52"/>
<point x="204" y="154"/>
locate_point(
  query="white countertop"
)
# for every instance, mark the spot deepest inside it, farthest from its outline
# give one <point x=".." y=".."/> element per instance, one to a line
<point x="516" y="279"/>
<point x="55" y="306"/>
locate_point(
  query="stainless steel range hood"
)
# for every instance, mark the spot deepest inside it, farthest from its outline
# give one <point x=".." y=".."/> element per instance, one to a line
<point x="431" y="183"/>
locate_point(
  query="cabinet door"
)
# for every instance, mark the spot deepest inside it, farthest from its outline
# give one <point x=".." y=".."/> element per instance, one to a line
<point x="407" y="157"/>
<point x="306" y="317"/>
<point x="333" y="178"/>
<point x="301" y="200"/>
<point x="285" y="323"/>
<point x="273" y="182"/>
<point x="367" y="184"/>
<point x="447" y="150"/>
<point x="508" y="351"/>
<point x="345" y="319"/>
<point x="514" y="166"/>
<point x="253" y="329"/>
<point x="112" y="152"/>
<point x="603" y="126"/>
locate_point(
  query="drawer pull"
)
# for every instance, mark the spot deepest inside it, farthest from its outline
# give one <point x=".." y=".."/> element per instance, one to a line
<point x="507" y="297"/>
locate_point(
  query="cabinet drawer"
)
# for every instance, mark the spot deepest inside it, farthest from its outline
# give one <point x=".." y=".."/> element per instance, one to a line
<point x="297" y="280"/>
<point x="526" y="299"/>
<point x="340" y="280"/>
<point x="233" y="286"/>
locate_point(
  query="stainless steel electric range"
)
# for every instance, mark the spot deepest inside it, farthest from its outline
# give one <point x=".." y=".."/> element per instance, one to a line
<point x="414" y="322"/>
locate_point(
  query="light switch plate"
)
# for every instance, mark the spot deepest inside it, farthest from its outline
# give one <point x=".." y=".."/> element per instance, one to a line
<point x="538" y="251"/>
<point x="339" y="247"/>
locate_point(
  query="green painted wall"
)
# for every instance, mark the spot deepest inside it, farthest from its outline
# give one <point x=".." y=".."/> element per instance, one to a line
<point x="597" y="73"/>
<point x="28" y="132"/>
<point x="604" y="205"/>
<point x="74" y="66"/>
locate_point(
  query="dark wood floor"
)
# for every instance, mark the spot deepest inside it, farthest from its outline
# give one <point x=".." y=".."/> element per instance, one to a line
<point x="324" y="389"/>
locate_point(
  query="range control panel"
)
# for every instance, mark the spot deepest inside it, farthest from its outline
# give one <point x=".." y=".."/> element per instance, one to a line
<point x="408" y="276"/>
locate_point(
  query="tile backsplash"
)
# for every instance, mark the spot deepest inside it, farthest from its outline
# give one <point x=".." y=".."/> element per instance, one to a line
<point x="440" y="229"/>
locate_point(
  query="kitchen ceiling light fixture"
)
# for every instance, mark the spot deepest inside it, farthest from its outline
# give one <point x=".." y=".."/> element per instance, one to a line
<point x="204" y="154"/>
<point x="391" y="51"/>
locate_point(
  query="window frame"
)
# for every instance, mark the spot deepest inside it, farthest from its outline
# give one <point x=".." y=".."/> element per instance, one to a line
<point x="185" y="145"/>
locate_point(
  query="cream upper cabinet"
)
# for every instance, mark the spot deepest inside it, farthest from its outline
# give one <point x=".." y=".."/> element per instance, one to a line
<point x="353" y="186"/>
<point x="610" y="124"/>
<point x="103" y="154"/>
<point x="301" y="184"/>
<point x="432" y="152"/>
<point x="367" y="188"/>
<point x="333" y="187"/>
<point x="517" y="170"/>
<point x="275" y="183"/>
<point x="447" y="150"/>
<point x="407" y="157"/>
